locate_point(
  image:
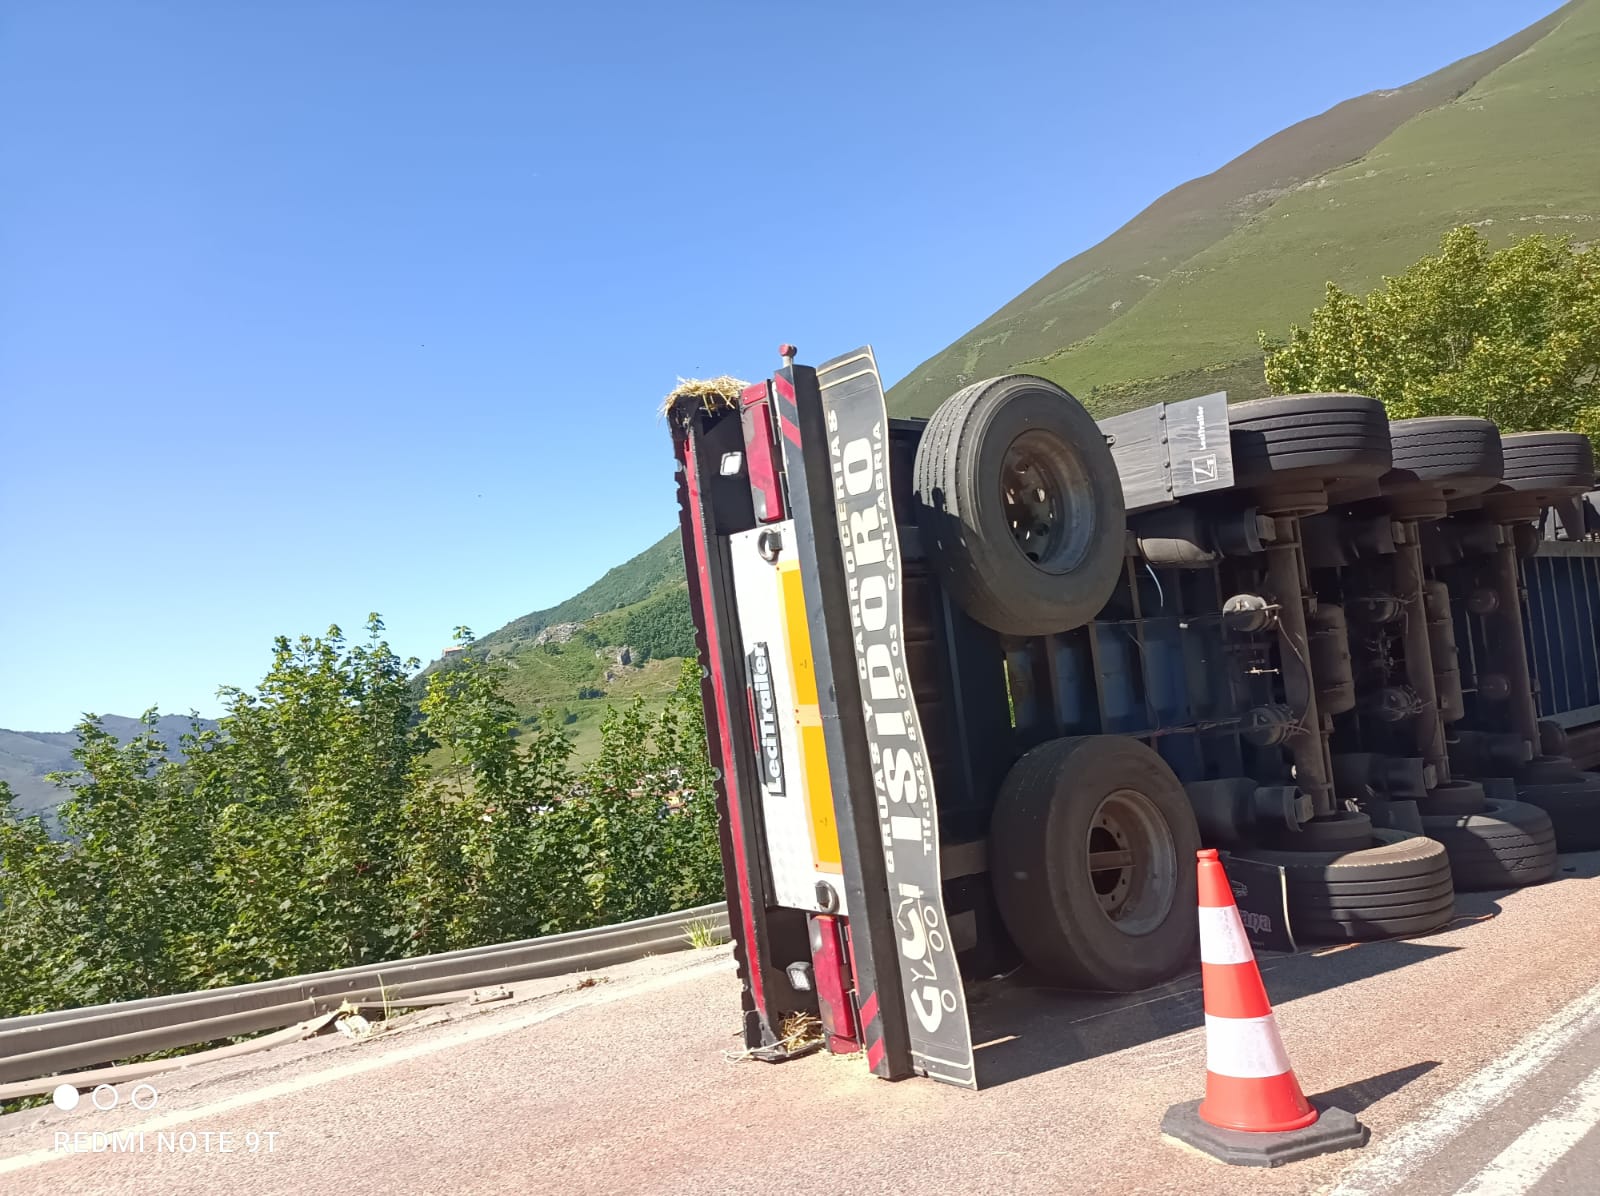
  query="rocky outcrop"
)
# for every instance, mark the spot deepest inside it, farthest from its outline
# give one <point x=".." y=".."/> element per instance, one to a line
<point x="558" y="633"/>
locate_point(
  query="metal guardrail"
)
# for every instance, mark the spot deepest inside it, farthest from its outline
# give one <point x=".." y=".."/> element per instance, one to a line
<point x="50" y="1044"/>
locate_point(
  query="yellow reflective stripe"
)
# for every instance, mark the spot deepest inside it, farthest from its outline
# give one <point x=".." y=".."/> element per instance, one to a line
<point x="808" y="719"/>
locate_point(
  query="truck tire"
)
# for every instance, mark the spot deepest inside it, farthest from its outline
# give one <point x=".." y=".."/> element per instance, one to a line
<point x="1343" y="830"/>
<point x="1457" y="454"/>
<point x="1091" y="854"/>
<point x="1548" y="461"/>
<point x="1308" y="438"/>
<point x="1454" y="797"/>
<point x="1549" y="770"/>
<point x="1400" y="886"/>
<point x="1508" y="845"/>
<point x="1020" y="506"/>
<point x="1366" y="927"/>
<point x="1574" y="809"/>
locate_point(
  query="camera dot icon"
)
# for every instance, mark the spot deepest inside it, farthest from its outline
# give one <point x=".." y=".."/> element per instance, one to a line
<point x="105" y="1097"/>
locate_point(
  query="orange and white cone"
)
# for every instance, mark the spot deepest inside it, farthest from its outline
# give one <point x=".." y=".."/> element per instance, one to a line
<point x="1249" y="1083"/>
<point x="1253" y="1114"/>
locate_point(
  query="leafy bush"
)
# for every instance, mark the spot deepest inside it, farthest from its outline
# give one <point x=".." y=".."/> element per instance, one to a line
<point x="1511" y="334"/>
<point x="308" y="831"/>
<point x="658" y="627"/>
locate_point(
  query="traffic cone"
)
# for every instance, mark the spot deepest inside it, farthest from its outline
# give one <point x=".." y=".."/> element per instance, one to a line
<point x="1249" y="1083"/>
<point x="1254" y="1112"/>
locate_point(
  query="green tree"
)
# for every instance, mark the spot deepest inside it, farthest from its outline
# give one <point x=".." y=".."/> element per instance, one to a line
<point x="107" y="913"/>
<point x="40" y="897"/>
<point x="308" y="776"/>
<point x="332" y="819"/>
<point x="491" y="852"/>
<point x="651" y="802"/>
<point x="1510" y="334"/>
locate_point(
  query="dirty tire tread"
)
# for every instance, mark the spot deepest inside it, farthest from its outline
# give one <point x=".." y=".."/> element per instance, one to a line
<point x="1417" y="908"/>
<point x="1548" y="461"/>
<point x="1294" y="439"/>
<point x="1403" y="885"/>
<point x="1397" y="855"/>
<point x="1574" y="810"/>
<point x="1320" y="905"/>
<point x="1442" y="447"/>
<point x="1376" y="890"/>
<point x="1510" y="843"/>
<point x="1375" y="928"/>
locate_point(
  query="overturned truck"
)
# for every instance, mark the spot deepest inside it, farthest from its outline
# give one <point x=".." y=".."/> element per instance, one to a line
<point x="977" y="687"/>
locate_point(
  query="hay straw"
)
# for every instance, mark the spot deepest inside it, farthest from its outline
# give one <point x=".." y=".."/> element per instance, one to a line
<point x="800" y="1030"/>
<point x="798" y="1034"/>
<point x="711" y="394"/>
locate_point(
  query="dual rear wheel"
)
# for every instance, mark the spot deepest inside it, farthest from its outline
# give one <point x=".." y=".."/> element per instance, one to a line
<point x="1092" y="839"/>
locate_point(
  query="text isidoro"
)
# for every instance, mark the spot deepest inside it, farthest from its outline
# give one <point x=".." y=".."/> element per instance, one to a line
<point x="167" y="1142"/>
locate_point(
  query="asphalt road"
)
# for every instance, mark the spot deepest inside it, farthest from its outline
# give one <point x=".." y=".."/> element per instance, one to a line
<point x="1473" y="1055"/>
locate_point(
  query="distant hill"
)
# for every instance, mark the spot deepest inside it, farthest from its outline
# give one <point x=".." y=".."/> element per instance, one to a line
<point x="1169" y="305"/>
<point x="656" y="568"/>
<point x="620" y="637"/>
<point x="26" y="756"/>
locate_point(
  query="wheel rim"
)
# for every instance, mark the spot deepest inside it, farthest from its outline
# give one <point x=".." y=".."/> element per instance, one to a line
<point x="1042" y="484"/>
<point x="1133" y="862"/>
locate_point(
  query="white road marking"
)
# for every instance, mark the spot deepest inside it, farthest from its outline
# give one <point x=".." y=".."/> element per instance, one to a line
<point x="1522" y="1164"/>
<point x="472" y="1032"/>
<point x="1385" y="1168"/>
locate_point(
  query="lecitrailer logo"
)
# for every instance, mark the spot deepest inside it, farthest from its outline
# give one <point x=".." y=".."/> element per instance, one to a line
<point x="769" y="747"/>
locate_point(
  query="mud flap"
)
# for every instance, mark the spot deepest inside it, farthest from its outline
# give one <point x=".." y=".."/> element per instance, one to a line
<point x="1262" y="894"/>
<point x="908" y="880"/>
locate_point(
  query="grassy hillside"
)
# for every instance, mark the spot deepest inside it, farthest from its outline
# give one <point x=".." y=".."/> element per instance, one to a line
<point x="641" y="605"/>
<point x="658" y="567"/>
<point x="580" y="679"/>
<point x="1169" y="305"/>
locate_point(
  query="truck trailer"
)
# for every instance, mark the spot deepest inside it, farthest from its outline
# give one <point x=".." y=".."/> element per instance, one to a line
<point x="977" y="687"/>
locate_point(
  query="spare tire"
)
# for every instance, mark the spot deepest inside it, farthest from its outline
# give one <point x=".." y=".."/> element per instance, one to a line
<point x="1509" y="844"/>
<point x="1316" y="439"/>
<point x="1091" y="854"/>
<point x="1543" y="462"/>
<point x="1401" y="886"/>
<point x="1458" y="455"/>
<point x="1020" y="506"/>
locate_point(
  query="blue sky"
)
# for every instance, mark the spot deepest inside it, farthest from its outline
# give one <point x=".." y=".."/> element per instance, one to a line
<point x="311" y="309"/>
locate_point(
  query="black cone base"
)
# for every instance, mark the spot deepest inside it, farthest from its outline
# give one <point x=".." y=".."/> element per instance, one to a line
<point x="1333" y="1130"/>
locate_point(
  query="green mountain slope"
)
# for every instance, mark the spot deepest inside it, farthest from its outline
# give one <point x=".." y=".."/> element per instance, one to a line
<point x="577" y="680"/>
<point x="1173" y="299"/>
<point x="1170" y="304"/>
<point x="620" y="637"/>
<point x="657" y="567"/>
